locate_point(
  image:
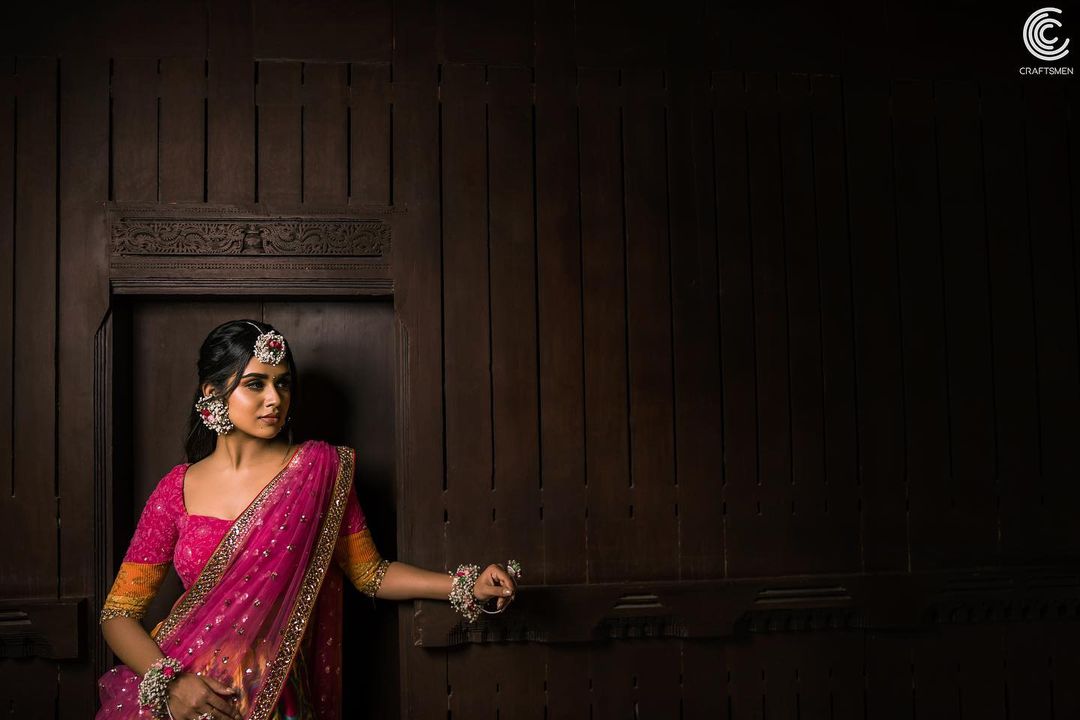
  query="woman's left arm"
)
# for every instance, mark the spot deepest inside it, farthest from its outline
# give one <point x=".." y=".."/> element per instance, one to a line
<point x="408" y="582"/>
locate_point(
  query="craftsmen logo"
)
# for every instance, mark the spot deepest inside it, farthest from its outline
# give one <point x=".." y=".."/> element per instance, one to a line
<point x="1042" y="41"/>
<point x="1044" y="48"/>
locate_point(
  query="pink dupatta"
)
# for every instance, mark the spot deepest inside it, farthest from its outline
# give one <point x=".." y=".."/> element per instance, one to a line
<point x="243" y="619"/>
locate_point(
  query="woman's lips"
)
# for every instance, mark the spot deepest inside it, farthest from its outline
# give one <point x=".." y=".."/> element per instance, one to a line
<point x="271" y="419"/>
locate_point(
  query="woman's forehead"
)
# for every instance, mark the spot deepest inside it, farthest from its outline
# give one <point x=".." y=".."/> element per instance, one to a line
<point x="256" y="366"/>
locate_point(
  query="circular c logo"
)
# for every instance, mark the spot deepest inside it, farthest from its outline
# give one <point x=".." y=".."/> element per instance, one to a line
<point x="1035" y="40"/>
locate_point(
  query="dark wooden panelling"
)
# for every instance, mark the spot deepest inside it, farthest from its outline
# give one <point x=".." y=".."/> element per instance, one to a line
<point x="230" y="137"/>
<point x="230" y="31"/>
<point x="649" y="333"/>
<point x="183" y="130"/>
<point x="1054" y="280"/>
<point x="135" y="130"/>
<point x="417" y="303"/>
<point x="888" y="677"/>
<point x="567" y="681"/>
<point x="740" y="478"/>
<point x="83" y="298"/>
<point x="972" y="501"/>
<point x="370" y="107"/>
<point x="771" y="500"/>
<point x="812" y="551"/>
<point x="637" y="678"/>
<point x="339" y="30"/>
<point x="515" y="501"/>
<point x="8" y="126"/>
<point x="31" y="499"/>
<point x="325" y="131"/>
<point x="558" y="257"/>
<point x="467" y="315"/>
<point x="486" y="31"/>
<point x="611" y="535"/>
<point x="878" y="358"/>
<point x="279" y="142"/>
<point x="926" y="394"/>
<point x="1023" y="516"/>
<point x="695" y="328"/>
<point x="840" y="493"/>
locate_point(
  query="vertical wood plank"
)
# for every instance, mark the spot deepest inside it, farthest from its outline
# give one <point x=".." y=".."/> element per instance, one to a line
<point x="83" y="298"/>
<point x="814" y="534"/>
<point x="888" y="677"/>
<point x="278" y="145"/>
<point x="8" y="130"/>
<point x="973" y="509"/>
<point x="183" y="125"/>
<point x="736" y="322"/>
<point x="611" y="535"/>
<point x="1023" y="516"/>
<point x="1028" y="663"/>
<point x="1054" y="282"/>
<point x="370" y="109"/>
<point x="698" y="400"/>
<point x="512" y="267"/>
<point x="567" y="681"/>
<point x="32" y="495"/>
<point x="135" y="130"/>
<point x="771" y="509"/>
<point x="325" y="130"/>
<point x="467" y="315"/>
<point x="841" y="489"/>
<point x="878" y="358"/>
<point x="654" y="496"/>
<point x="922" y="309"/>
<point x="230" y="136"/>
<point x="417" y="299"/>
<point x="704" y="679"/>
<point x="558" y="257"/>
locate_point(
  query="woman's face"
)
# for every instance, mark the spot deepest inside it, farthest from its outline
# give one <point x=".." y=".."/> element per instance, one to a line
<point x="260" y="403"/>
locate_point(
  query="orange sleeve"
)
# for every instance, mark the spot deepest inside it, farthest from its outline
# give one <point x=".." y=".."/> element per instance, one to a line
<point x="134" y="588"/>
<point x="359" y="559"/>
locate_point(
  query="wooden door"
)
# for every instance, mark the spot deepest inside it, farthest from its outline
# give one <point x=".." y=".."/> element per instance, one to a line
<point x="344" y="351"/>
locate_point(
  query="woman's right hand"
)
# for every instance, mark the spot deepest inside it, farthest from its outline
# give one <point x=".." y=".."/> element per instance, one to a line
<point x="192" y="695"/>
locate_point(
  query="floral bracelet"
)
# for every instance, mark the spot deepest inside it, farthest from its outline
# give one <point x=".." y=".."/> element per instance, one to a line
<point x="154" y="688"/>
<point x="461" y="589"/>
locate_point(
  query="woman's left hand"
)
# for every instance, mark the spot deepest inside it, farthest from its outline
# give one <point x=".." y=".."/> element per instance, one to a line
<point x="495" y="582"/>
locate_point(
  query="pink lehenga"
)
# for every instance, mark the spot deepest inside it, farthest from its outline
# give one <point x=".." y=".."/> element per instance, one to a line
<point x="268" y="587"/>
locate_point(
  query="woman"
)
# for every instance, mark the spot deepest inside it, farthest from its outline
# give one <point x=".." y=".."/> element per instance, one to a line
<point x="260" y="532"/>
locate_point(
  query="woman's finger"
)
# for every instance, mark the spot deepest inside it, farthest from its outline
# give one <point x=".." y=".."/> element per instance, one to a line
<point x="220" y="707"/>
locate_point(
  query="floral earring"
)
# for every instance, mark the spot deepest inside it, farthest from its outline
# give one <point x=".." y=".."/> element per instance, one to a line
<point x="214" y="413"/>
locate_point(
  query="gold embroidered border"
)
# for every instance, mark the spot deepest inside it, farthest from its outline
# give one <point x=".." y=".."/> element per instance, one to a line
<point x="133" y="590"/>
<point x="278" y="668"/>
<point x="212" y="571"/>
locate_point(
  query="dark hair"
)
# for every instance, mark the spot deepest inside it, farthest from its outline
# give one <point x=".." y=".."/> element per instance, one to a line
<point x="225" y="352"/>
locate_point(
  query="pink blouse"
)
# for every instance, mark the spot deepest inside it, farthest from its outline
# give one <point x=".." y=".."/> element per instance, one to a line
<point x="167" y="532"/>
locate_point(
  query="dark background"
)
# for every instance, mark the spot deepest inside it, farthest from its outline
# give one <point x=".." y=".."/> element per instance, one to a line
<point x="750" y="329"/>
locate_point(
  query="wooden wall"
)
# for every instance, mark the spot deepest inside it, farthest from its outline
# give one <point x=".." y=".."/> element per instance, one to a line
<point x="691" y="299"/>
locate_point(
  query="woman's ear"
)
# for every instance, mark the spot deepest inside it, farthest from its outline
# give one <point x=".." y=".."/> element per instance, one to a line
<point x="208" y="389"/>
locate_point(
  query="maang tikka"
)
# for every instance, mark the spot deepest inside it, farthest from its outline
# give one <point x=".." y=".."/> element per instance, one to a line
<point x="269" y="346"/>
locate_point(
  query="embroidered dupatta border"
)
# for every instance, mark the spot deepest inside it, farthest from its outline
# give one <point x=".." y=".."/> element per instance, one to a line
<point x="306" y="597"/>
<point x="214" y="568"/>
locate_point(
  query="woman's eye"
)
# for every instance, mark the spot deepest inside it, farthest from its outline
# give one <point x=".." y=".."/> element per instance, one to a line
<point x="255" y="385"/>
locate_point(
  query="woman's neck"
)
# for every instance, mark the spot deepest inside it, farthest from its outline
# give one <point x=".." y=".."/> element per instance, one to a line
<point x="240" y="451"/>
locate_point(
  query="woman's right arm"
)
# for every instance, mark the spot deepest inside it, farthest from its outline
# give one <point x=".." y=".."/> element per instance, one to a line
<point x="131" y="643"/>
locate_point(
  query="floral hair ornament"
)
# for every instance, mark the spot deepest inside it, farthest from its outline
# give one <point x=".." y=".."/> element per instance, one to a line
<point x="269" y="346"/>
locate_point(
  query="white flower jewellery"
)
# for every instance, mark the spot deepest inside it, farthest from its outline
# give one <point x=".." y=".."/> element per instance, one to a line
<point x="461" y="595"/>
<point x="269" y="346"/>
<point x="154" y="687"/>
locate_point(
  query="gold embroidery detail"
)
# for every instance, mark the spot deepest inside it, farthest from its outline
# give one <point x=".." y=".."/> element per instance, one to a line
<point x="358" y="557"/>
<point x="212" y="571"/>
<point x="135" y="586"/>
<point x="309" y="589"/>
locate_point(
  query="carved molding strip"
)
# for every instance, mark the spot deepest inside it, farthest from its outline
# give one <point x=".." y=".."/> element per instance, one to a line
<point x="290" y="236"/>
